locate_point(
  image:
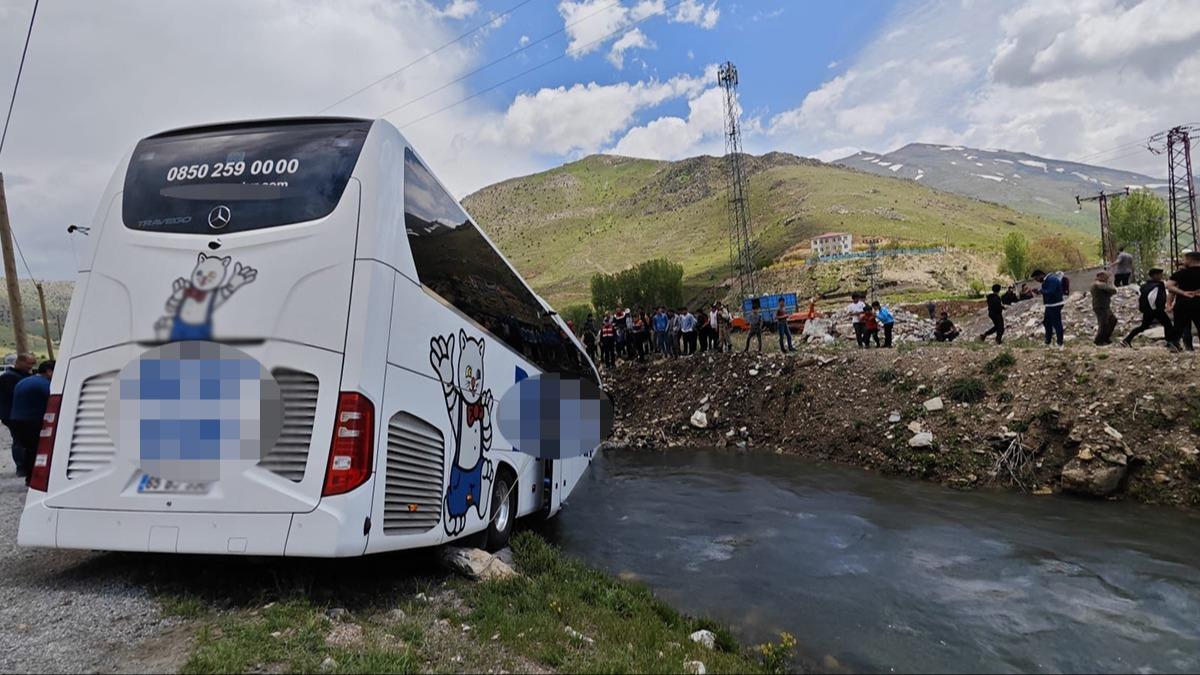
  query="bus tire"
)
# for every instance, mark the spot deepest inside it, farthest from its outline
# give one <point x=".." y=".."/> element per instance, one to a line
<point x="503" y="511"/>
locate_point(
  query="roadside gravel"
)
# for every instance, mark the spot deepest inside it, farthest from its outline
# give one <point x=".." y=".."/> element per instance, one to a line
<point x="69" y="611"/>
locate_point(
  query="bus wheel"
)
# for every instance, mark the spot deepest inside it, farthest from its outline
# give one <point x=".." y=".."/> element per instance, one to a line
<point x="504" y="511"/>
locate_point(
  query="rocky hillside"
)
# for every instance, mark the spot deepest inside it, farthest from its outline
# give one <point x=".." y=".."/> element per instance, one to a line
<point x="1035" y="185"/>
<point x="604" y="213"/>
<point x="58" y="300"/>
<point x="1105" y="423"/>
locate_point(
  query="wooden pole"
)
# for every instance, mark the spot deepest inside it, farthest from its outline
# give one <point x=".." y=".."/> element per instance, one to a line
<point x="45" y="322"/>
<point x="10" y="275"/>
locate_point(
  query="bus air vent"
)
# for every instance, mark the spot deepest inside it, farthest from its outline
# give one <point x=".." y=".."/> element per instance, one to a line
<point x="416" y="453"/>
<point x="289" y="457"/>
<point x="91" y="446"/>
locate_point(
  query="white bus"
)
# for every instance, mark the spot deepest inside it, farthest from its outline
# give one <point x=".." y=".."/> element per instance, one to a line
<point x="384" y="324"/>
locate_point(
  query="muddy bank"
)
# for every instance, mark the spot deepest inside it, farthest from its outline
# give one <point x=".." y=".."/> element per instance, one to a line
<point x="1103" y="422"/>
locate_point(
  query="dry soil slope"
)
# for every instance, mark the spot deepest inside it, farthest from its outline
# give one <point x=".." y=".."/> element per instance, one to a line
<point x="604" y="213"/>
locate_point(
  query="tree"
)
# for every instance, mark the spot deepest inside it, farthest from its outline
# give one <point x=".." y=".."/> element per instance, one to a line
<point x="1016" y="256"/>
<point x="1139" y="224"/>
<point x="647" y="284"/>
<point x="1051" y="254"/>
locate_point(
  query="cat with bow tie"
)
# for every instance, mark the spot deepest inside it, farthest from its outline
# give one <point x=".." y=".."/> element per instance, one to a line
<point x="194" y="299"/>
<point x="469" y="406"/>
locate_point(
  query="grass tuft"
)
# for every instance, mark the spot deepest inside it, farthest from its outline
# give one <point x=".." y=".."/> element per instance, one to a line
<point x="967" y="390"/>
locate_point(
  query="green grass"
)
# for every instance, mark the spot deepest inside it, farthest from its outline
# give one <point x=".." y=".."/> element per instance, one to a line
<point x="633" y="631"/>
<point x="605" y="213"/>
<point x="966" y="390"/>
<point x="1001" y="361"/>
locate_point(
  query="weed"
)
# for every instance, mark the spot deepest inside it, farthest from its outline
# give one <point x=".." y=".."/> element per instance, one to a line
<point x="1005" y="397"/>
<point x="967" y="390"/>
<point x="887" y="375"/>
<point x="999" y="362"/>
<point x="777" y="656"/>
<point x="797" y="387"/>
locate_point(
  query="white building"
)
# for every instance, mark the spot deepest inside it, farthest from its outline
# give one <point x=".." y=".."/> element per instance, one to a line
<point x="832" y="243"/>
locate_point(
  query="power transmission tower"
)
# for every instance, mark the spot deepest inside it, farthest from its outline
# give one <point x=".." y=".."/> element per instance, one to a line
<point x="1106" y="238"/>
<point x="741" y="251"/>
<point x="873" y="270"/>
<point x="1176" y="144"/>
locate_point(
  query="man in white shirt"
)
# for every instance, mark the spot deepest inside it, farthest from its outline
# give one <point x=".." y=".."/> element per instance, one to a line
<point x="687" y="326"/>
<point x="855" y="310"/>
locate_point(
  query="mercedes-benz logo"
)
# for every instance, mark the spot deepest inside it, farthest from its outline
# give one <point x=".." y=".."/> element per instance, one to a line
<point x="219" y="217"/>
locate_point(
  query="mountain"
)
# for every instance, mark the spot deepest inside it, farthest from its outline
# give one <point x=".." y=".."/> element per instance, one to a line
<point x="1031" y="184"/>
<point x="604" y="213"/>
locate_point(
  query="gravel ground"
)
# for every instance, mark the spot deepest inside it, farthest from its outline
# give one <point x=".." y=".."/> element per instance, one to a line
<point x="73" y="611"/>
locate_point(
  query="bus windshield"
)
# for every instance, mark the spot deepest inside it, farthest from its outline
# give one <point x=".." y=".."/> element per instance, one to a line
<point x="237" y="178"/>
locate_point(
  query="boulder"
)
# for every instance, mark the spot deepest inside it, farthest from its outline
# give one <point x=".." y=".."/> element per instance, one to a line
<point x="699" y="419"/>
<point x="934" y="404"/>
<point x="704" y="638"/>
<point x="694" y="667"/>
<point x="1099" y="479"/>
<point x="476" y="564"/>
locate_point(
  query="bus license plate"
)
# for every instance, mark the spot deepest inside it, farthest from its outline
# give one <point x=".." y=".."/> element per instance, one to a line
<point x="151" y="484"/>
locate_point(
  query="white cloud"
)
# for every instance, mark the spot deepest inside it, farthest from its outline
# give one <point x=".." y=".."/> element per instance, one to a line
<point x="460" y="9"/>
<point x="676" y="137"/>
<point x="524" y="41"/>
<point x="590" y="23"/>
<point x="582" y="118"/>
<point x="698" y="13"/>
<point x="1064" y="79"/>
<point x="634" y="39"/>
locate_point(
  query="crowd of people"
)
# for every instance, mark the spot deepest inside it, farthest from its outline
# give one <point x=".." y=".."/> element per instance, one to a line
<point x="24" y="394"/>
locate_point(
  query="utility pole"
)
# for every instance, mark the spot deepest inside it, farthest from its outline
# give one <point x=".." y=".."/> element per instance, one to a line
<point x="1176" y="144"/>
<point x="1106" y="238"/>
<point x="10" y="275"/>
<point x="741" y="251"/>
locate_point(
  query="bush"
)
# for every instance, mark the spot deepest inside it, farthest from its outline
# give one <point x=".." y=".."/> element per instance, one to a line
<point x="576" y="314"/>
<point x="887" y="375"/>
<point x="649" y="284"/>
<point x="1004" y="359"/>
<point x="967" y="390"/>
<point x="1051" y="254"/>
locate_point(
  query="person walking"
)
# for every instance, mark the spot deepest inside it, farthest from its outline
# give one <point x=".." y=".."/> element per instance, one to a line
<point x="887" y="320"/>
<point x="785" y="331"/>
<point x="608" y="342"/>
<point x="754" y="318"/>
<point x="724" y="328"/>
<point x="1052" y="301"/>
<point x="855" y="310"/>
<point x="1122" y="268"/>
<point x="995" y="311"/>
<point x="1103" y="291"/>
<point x="21" y="368"/>
<point x="687" y="330"/>
<point x="1184" y="286"/>
<point x="1152" y="301"/>
<point x="30" y="397"/>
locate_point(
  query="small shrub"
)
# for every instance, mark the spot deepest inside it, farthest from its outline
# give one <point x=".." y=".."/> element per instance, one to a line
<point x="777" y="657"/>
<point x="1004" y="359"/>
<point x="967" y="390"/>
<point x="1005" y="397"/>
<point x="887" y="375"/>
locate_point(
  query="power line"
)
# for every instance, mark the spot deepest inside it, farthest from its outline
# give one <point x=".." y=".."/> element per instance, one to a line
<point x="428" y="54"/>
<point x="22" y="254"/>
<point x="528" y="70"/>
<point x="528" y="46"/>
<point x="12" y="101"/>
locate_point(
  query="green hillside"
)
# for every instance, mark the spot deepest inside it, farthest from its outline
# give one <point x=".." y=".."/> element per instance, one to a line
<point x="604" y="213"/>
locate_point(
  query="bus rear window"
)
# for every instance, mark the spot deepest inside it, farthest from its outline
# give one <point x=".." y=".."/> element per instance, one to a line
<point x="237" y="178"/>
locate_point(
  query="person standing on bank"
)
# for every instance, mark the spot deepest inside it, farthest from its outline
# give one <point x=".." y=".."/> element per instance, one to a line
<point x="785" y="331"/>
<point x="755" y="330"/>
<point x="30" y="397"/>
<point x="887" y="320"/>
<point x="995" y="309"/>
<point x="1106" y="322"/>
<point x="1184" y="285"/>
<point x="1152" y="301"/>
<point x="724" y="328"/>
<point x="1053" y="301"/>
<point x="19" y="370"/>
<point x="608" y="342"/>
<point x="1122" y="268"/>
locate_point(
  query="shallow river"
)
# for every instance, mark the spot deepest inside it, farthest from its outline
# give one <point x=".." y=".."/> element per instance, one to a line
<point x="885" y="574"/>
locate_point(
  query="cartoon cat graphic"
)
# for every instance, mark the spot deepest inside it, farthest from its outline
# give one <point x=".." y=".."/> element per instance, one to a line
<point x="193" y="301"/>
<point x="469" y="406"/>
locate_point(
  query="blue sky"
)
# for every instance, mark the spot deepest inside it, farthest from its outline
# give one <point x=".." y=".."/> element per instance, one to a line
<point x="1069" y="79"/>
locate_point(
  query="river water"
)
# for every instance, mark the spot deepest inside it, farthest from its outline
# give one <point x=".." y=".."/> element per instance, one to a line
<point x="895" y="575"/>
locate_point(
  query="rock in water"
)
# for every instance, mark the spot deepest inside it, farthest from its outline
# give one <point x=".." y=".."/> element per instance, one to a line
<point x="1099" y="479"/>
<point x="923" y="439"/>
<point x="476" y="564"/>
<point x="704" y="638"/>
<point x="694" y="667"/>
<point x="934" y="404"/>
<point x="699" y="419"/>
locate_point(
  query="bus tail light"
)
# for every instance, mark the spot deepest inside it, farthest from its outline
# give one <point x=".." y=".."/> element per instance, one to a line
<point x="39" y="475"/>
<point x="350" y="450"/>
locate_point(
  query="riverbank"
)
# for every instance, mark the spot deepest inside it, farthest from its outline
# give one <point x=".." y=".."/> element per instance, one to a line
<point x="1104" y="422"/>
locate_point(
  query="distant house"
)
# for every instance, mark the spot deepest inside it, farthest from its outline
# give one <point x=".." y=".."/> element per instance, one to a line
<point x="832" y="243"/>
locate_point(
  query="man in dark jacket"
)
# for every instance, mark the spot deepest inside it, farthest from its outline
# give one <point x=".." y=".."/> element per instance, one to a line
<point x="995" y="307"/>
<point x="1106" y="322"/>
<point x="30" y="397"/>
<point x="1053" y="299"/>
<point x="19" y="370"/>
<point x="1184" y="284"/>
<point x="1152" y="301"/>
